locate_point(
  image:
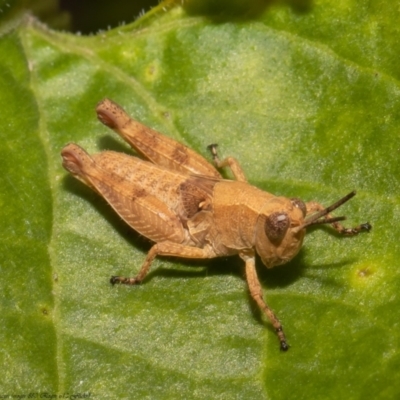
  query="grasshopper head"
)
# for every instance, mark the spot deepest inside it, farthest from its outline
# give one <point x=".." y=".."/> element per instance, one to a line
<point x="278" y="237"/>
<point x="282" y="224"/>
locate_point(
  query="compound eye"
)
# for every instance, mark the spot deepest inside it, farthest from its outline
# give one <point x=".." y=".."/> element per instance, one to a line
<point x="299" y="204"/>
<point x="276" y="226"/>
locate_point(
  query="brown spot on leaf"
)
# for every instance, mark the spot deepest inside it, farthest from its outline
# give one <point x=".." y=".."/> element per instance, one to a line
<point x="365" y="272"/>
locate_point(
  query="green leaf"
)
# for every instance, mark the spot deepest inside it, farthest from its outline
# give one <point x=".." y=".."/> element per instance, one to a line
<point x="306" y="96"/>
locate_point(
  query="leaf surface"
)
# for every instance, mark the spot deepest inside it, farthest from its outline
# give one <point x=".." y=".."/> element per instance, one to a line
<point x="308" y="100"/>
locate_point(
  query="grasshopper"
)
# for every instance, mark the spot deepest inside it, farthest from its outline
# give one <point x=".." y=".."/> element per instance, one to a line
<point x="177" y="199"/>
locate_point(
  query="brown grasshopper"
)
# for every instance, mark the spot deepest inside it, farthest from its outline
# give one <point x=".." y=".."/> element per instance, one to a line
<point x="181" y="202"/>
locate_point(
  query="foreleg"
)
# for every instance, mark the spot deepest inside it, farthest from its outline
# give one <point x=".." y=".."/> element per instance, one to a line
<point x="257" y="294"/>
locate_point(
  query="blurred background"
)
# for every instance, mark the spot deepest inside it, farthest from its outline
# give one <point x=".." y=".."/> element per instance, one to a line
<point x="89" y="16"/>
